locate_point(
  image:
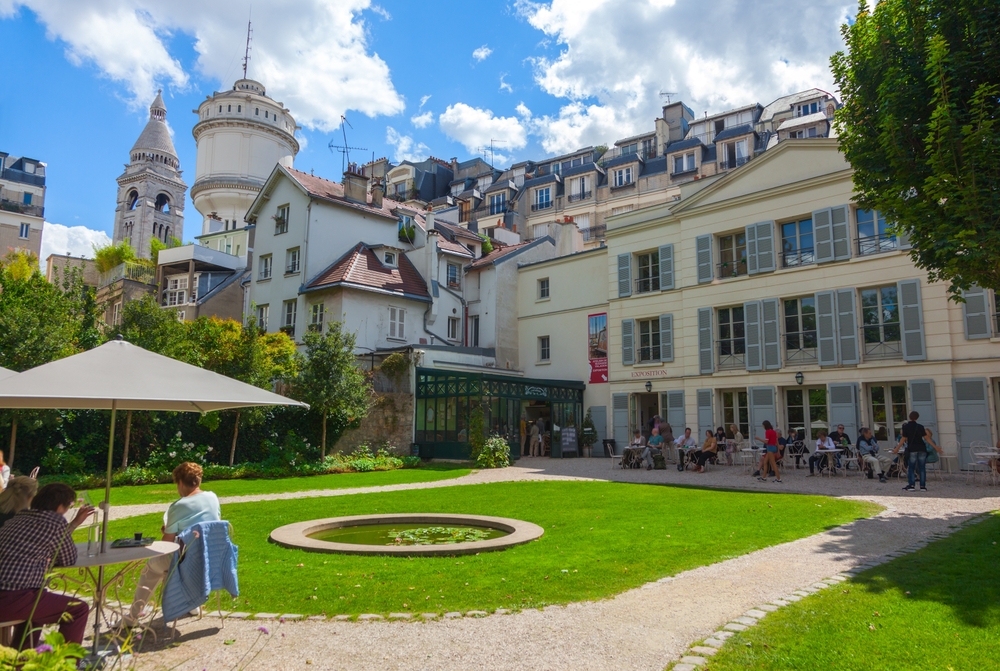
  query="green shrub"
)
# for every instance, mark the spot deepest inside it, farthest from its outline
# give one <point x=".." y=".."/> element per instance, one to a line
<point x="495" y="453"/>
<point x="61" y="460"/>
<point x="477" y="431"/>
<point x="177" y="452"/>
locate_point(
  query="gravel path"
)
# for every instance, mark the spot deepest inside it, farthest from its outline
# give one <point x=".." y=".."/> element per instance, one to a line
<point x="644" y="628"/>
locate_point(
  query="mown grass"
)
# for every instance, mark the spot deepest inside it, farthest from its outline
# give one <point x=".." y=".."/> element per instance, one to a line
<point x="938" y="608"/>
<point x="165" y="493"/>
<point x="601" y="538"/>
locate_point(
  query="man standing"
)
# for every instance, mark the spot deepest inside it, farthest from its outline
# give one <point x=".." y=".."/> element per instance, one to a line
<point x="868" y="449"/>
<point x="916" y="438"/>
<point x="684" y="443"/>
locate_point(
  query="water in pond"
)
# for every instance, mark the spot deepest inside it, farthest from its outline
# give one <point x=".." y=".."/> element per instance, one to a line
<point x="406" y="534"/>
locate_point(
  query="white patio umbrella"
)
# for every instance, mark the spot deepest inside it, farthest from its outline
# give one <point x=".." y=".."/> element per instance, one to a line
<point x="121" y="376"/>
<point x="6" y="372"/>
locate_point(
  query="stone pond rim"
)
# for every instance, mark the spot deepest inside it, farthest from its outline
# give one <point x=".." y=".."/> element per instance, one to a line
<point x="296" y="535"/>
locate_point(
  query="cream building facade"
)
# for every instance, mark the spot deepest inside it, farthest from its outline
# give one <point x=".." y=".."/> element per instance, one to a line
<point x="22" y="203"/>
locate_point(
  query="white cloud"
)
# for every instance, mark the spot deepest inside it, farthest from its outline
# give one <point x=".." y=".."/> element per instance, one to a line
<point x="482" y="53"/>
<point x="616" y="57"/>
<point x="423" y="120"/>
<point x="504" y="86"/>
<point x="312" y="55"/>
<point x="71" y="240"/>
<point x="406" y="148"/>
<point x="475" y="127"/>
<point x="423" y="101"/>
<point x="381" y="11"/>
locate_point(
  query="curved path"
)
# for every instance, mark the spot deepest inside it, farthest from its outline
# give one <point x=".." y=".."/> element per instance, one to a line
<point x="644" y="628"/>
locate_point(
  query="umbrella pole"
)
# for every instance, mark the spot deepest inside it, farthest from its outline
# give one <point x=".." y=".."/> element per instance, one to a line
<point x="106" y="506"/>
<point x="13" y="441"/>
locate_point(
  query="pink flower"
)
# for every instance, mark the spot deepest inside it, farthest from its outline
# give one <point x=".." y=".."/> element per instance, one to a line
<point x="263" y="630"/>
<point x="43" y="648"/>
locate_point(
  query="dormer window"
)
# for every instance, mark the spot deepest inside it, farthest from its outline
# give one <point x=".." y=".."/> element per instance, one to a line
<point x="390" y="259"/>
<point x="807" y="108"/>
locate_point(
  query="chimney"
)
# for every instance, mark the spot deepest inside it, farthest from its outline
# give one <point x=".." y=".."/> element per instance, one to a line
<point x="454" y="167"/>
<point x="430" y="270"/>
<point x="378" y="189"/>
<point x="355" y="184"/>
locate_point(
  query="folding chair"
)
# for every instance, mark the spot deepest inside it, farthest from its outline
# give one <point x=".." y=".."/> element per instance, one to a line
<point x="609" y="449"/>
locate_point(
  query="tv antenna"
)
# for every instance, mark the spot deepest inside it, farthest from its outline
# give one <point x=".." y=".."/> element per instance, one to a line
<point x="344" y="149"/>
<point x="246" y="54"/>
<point x="491" y="149"/>
<point x="668" y="94"/>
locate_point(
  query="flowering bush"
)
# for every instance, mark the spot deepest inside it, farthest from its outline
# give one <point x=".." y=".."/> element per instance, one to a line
<point x="53" y="655"/>
<point x="177" y="452"/>
<point x="61" y="460"/>
<point x="494" y="454"/>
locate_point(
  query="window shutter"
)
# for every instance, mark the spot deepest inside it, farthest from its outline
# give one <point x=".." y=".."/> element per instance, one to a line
<point x="619" y="421"/>
<point x="844" y="407"/>
<point x="666" y="337"/>
<point x="976" y="314"/>
<point x="823" y="235"/>
<point x="972" y="414"/>
<point x="392" y="322"/>
<point x="847" y="327"/>
<point x="903" y="238"/>
<point x="666" y="267"/>
<point x="675" y="412"/>
<point x="922" y="400"/>
<point x="706" y="418"/>
<point x="841" y="233"/>
<point x="628" y="342"/>
<point x="751" y="234"/>
<point x="826" y="328"/>
<point x="764" y="257"/>
<point x="761" y="408"/>
<point x="770" y="315"/>
<point x="624" y="275"/>
<point x="911" y="320"/>
<point x="751" y="316"/>
<point x="706" y="364"/>
<point x="703" y="254"/>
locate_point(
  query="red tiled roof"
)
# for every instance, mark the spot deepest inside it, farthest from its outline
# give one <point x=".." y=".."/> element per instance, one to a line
<point x="317" y="187"/>
<point x="360" y="267"/>
<point x="495" y="255"/>
<point x="446" y="245"/>
<point x="458" y="231"/>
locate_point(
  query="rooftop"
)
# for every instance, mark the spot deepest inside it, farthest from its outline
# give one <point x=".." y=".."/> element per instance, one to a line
<point x="360" y="268"/>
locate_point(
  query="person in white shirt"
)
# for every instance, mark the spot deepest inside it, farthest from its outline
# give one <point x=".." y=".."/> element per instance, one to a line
<point x="868" y="449"/>
<point x="682" y="443"/>
<point x="823" y="442"/>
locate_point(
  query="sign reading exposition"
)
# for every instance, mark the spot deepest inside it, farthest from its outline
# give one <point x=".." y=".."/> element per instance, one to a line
<point x="597" y="347"/>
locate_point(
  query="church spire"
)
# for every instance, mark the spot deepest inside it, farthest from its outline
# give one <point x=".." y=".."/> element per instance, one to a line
<point x="158" y="110"/>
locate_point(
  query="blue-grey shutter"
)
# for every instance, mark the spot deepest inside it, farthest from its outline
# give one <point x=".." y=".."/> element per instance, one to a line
<point x="751" y="235"/>
<point x="666" y="337"/>
<point x="764" y="235"/>
<point x="761" y="408"/>
<point x="976" y="313"/>
<point x="706" y="418"/>
<point x="703" y="256"/>
<point x="841" y="229"/>
<point x="844" y="407"/>
<point x="972" y="414"/>
<point x="675" y="411"/>
<point x="706" y="362"/>
<point x="903" y="237"/>
<point x="823" y="235"/>
<point x="847" y="327"/>
<point x="911" y="320"/>
<point x="922" y="400"/>
<point x="826" y="328"/>
<point x="628" y="342"/>
<point x="619" y="421"/>
<point x="770" y="316"/>
<point x="666" y="267"/>
<point x="751" y="317"/>
<point x="624" y="275"/>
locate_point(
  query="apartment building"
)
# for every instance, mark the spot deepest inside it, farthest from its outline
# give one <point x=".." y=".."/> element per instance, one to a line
<point x="22" y="203"/>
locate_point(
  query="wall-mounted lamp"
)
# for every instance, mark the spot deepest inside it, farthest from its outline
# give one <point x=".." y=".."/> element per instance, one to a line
<point x="800" y="378"/>
<point x="649" y="385"/>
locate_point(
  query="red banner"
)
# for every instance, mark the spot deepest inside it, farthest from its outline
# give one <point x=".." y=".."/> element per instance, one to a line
<point x="597" y="347"/>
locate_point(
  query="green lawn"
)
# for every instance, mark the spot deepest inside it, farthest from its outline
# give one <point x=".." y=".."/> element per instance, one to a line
<point x="600" y="539"/>
<point x="165" y="493"/>
<point x="938" y="608"/>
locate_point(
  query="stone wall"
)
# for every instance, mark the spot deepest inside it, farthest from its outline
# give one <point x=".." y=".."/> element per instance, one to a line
<point x="390" y="420"/>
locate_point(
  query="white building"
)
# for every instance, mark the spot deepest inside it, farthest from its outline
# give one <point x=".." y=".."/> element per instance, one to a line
<point x="22" y="203"/>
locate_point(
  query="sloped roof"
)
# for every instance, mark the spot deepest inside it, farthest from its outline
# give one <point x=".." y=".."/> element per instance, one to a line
<point x="324" y="189"/>
<point x="735" y="131"/>
<point x="156" y="136"/>
<point x="681" y="145"/>
<point x="450" y="247"/>
<point x="360" y="268"/>
<point x="807" y="120"/>
<point x="457" y="231"/>
<point x="786" y="102"/>
<point x="500" y="254"/>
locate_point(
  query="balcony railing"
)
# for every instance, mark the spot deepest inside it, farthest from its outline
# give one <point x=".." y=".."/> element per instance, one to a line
<point x="649" y="353"/>
<point x="646" y="285"/>
<point x="734" y="163"/>
<point x="594" y="233"/>
<point x="798" y="257"/>
<point x="801" y="347"/>
<point x="882" y="341"/>
<point x="616" y="152"/>
<point x="623" y="185"/>
<point x="291" y="268"/>
<point x="535" y="207"/>
<point x="130" y="270"/>
<point x="728" y="269"/>
<point x="21" y="208"/>
<point x="265" y="274"/>
<point x="876" y="244"/>
<point x="577" y="197"/>
<point x="732" y="353"/>
<point x="23" y="177"/>
<point x="288" y="330"/>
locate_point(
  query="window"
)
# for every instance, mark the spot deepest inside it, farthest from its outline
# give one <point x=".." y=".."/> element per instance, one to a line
<point x="474" y="331"/>
<point x="649" y="148"/>
<point x="453" y="328"/>
<point x="265" y="114"/>
<point x="649" y="340"/>
<point x="807" y="108"/>
<point x="872" y="235"/>
<point x="621" y="210"/>
<point x="683" y="163"/>
<point x="543" y="199"/>
<point x="732" y="342"/>
<point x="799" y="134"/>
<point x="498" y="203"/>
<point x="132" y="200"/>
<point x="288" y="310"/>
<point x="397" y="323"/>
<point x="292" y="261"/>
<point x="578" y="189"/>
<point x="623" y="176"/>
<point x="390" y="259"/>
<point x="281" y="220"/>
<point x="116" y="313"/>
<point x="800" y="330"/>
<point x="454" y="276"/>
<point x="180" y="315"/>
<point x="806" y="413"/>
<point x="734" y="154"/>
<point x="543" y="288"/>
<point x="797" y="243"/>
<point x="27" y="198"/>
<point x="736" y="410"/>
<point x="176" y="291"/>
<point x="262" y="317"/>
<point x="557" y="168"/>
<point x="733" y="255"/>
<point x="256" y="111"/>
<point x="632" y="148"/>
<point x="880" y="323"/>
<point x="316" y="317"/>
<point x="25" y="231"/>
<point x="464" y="210"/>
<point x="648" y="266"/>
<point x="229" y="108"/>
<point x="220" y="109"/>
<point x="544" y="352"/>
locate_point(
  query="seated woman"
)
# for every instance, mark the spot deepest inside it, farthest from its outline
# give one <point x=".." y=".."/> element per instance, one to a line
<point x="823" y="442"/>
<point x="797" y="445"/>
<point x="653" y="446"/>
<point x="709" y="449"/>
<point x="17" y="497"/>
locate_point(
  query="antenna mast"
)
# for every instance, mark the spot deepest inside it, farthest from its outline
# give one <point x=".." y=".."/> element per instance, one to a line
<point x="246" y="54"/>
<point x="345" y="149"/>
<point x="667" y="95"/>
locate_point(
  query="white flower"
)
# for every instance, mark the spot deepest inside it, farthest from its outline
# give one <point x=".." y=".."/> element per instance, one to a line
<point x="173" y="454"/>
<point x="61" y="446"/>
<point x="209" y="448"/>
<point x="178" y="434"/>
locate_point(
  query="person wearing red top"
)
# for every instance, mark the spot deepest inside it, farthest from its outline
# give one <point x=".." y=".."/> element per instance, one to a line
<point x="770" y="441"/>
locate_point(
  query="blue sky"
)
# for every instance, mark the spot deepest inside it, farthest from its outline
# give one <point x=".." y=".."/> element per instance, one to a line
<point x="413" y="78"/>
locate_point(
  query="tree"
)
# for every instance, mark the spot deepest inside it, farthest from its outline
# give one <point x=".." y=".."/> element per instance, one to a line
<point x="487" y="245"/>
<point x="920" y="84"/>
<point x="330" y="380"/>
<point x="111" y="256"/>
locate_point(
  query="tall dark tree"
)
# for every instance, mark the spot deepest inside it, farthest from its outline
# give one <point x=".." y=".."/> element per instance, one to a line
<point x="921" y="89"/>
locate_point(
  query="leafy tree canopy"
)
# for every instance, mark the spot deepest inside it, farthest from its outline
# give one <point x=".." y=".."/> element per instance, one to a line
<point x="920" y="84"/>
